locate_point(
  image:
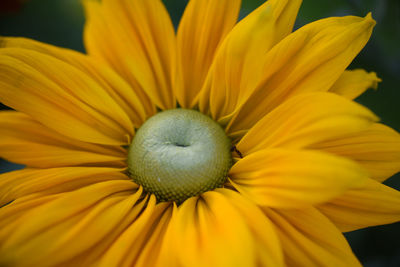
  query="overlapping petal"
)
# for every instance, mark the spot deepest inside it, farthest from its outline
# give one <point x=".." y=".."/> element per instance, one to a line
<point x="370" y="205"/>
<point x="285" y="178"/>
<point x="308" y="60"/>
<point x="303" y="145"/>
<point x="220" y="228"/>
<point x="376" y="148"/>
<point x="25" y="141"/>
<point x="62" y="97"/>
<point x="142" y="240"/>
<point x="203" y="26"/>
<point x="238" y="64"/>
<point x="70" y="225"/>
<point x="305" y="120"/>
<point x="121" y="92"/>
<point x="352" y="83"/>
<point x="16" y="184"/>
<point x="137" y="39"/>
<point x="310" y="239"/>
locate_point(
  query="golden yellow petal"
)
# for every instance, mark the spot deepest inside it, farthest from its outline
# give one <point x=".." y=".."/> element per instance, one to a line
<point x="310" y="239"/>
<point x="25" y="141"/>
<point x="305" y="120"/>
<point x="62" y="97"/>
<point x="203" y="27"/>
<point x="137" y="39"/>
<point x="285" y="178"/>
<point x="112" y="83"/>
<point x="16" y="184"/>
<point x="370" y="205"/>
<point x="10" y="212"/>
<point x="376" y="148"/>
<point x="238" y="64"/>
<point x="141" y="241"/>
<point x="220" y="228"/>
<point x="308" y="60"/>
<point x="77" y="233"/>
<point x="353" y="83"/>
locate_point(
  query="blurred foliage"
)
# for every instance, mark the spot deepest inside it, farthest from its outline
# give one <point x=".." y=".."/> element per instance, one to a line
<point x="60" y="22"/>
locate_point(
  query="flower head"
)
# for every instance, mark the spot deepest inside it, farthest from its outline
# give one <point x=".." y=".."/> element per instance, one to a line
<point x="223" y="144"/>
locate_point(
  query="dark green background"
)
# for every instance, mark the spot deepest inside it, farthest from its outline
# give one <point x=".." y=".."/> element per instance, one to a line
<point x="60" y="22"/>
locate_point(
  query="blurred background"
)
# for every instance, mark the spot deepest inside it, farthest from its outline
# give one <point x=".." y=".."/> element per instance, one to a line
<point x="60" y="22"/>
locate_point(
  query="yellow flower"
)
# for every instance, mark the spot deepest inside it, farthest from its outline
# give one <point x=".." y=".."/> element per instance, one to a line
<point x="308" y="162"/>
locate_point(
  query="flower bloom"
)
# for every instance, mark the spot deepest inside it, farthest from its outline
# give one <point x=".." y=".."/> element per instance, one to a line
<point x="308" y="161"/>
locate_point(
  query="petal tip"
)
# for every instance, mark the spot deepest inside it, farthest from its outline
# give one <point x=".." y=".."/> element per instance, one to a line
<point x="369" y="20"/>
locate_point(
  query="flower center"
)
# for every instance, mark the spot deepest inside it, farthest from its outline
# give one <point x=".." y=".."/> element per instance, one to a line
<point x="179" y="153"/>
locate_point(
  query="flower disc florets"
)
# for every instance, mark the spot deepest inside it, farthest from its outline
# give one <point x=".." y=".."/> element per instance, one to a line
<point x="178" y="154"/>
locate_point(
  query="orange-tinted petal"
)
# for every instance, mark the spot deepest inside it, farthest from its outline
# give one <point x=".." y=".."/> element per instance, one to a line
<point x="203" y="26"/>
<point x="370" y="205"/>
<point x="68" y="225"/>
<point x="220" y="228"/>
<point x="16" y="184"/>
<point x="86" y="227"/>
<point x="140" y="243"/>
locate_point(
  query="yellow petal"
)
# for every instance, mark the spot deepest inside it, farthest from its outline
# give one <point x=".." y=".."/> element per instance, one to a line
<point x="238" y="64"/>
<point x="352" y="83"/>
<point x="310" y="239"/>
<point x="23" y="182"/>
<point x="284" y="178"/>
<point x="215" y="229"/>
<point x="370" y="205"/>
<point x="25" y="141"/>
<point x="308" y="60"/>
<point x="10" y="212"/>
<point x="77" y="233"/>
<point x="305" y="120"/>
<point x="113" y="84"/>
<point x="203" y="26"/>
<point x="61" y="97"/>
<point x="140" y="243"/>
<point x="137" y="39"/>
<point x="376" y="148"/>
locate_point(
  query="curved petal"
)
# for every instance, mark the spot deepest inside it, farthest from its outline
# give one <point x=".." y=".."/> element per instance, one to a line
<point x="310" y="239"/>
<point x="370" y="205"/>
<point x="25" y="141"/>
<point x="203" y="26"/>
<point x="220" y="228"/>
<point x="238" y="64"/>
<point x="121" y="92"/>
<point x="352" y="83"/>
<point x="70" y="225"/>
<point x="62" y="97"/>
<point x="305" y="120"/>
<point x="137" y="39"/>
<point x="376" y="148"/>
<point x="308" y="60"/>
<point x="140" y="244"/>
<point x="284" y="178"/>
<point x="16" y="184"/>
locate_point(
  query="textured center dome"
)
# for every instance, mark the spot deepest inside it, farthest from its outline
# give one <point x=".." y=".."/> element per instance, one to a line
<point x="179" y="153"/>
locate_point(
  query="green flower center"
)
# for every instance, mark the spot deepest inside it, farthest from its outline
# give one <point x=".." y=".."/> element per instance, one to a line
<point x="179" y="153"/>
